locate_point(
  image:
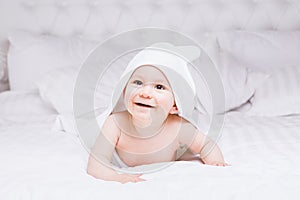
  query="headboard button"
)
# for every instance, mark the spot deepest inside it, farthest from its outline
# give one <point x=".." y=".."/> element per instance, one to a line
<point x="29" y="4"/>
<point x="93" y="4"/>
<point x="78" y="34"/>
<point x="123" y="5"/>
<point x="62" y="5"/>
<point x="156" y="4"/>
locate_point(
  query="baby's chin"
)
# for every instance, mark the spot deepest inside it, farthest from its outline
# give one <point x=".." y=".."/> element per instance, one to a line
<point x="143" y="117"/>
<point x="150" y="115"/>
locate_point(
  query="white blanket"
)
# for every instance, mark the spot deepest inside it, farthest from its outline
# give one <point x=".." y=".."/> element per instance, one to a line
<point x="37" y="163"/>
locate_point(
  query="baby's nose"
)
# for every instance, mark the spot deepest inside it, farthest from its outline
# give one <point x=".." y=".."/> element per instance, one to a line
<point x="146" y="91"/>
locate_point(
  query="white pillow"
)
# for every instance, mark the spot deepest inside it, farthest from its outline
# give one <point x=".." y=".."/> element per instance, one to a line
<point x="31" y="56"/>
<point x="23" y="103"/>
<point x="279" y="94"/>
<point x="239" y="81"/>
<point x="57" y="88"/>
<point x="264" y="50"/>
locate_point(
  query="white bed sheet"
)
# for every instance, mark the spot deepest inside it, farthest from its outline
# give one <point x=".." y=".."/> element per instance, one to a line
<point x="37" y="163"/>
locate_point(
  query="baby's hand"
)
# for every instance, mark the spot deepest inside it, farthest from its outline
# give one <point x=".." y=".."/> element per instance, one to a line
<point x="125" y="178"/>
<point x="217" y="163"/>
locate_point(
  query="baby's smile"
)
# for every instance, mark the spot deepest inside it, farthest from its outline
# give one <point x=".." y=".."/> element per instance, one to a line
<point x="144" y="105"/>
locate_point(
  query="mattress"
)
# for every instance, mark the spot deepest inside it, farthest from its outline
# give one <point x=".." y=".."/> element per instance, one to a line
<point x="39" y="162"/>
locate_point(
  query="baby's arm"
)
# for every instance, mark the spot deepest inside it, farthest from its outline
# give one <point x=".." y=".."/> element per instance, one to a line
<point x="197" y="142"/>
<point x="99" y="164"/>
<point x="210" y="153"/>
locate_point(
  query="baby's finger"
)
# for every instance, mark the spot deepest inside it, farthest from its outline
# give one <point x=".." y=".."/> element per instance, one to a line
<point x="222" y="164"/>
<point x="134" y="175"/>
<point x="139" y="180"/>
<point x="136" y="178"/>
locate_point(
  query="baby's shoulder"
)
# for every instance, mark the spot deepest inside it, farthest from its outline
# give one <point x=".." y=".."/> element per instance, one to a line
<point x="118" y="118"/>
<point x="183" y="124"/>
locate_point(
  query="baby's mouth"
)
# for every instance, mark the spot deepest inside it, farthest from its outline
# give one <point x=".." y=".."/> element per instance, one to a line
<point x="144" y="105"/>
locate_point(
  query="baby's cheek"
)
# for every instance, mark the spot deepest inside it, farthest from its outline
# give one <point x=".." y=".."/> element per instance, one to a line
<point x="131" y="91"/>
<point x="128" y="93"/>
<point x="161" y="111"/>
<point x="164" y="108"/>
<point x="126" y="98"/>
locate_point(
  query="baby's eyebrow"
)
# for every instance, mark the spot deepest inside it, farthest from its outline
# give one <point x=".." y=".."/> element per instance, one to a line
<point x="159" y="81"/>
<point x="136" y="77"/>
<point x="162" y="81"/>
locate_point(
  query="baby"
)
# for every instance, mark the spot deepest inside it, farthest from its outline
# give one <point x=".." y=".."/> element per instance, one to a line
<point x="150" y="130"/>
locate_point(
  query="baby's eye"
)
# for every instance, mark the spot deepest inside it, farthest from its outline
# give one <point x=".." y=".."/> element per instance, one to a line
<point x="160" y="87"/>
<point x="137" y="82"/>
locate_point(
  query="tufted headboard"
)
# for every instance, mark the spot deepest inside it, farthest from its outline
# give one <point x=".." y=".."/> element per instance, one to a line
<point x="102" y="18"/>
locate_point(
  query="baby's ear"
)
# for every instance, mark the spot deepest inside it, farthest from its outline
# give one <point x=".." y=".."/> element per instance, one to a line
<point x="174" y="110"/>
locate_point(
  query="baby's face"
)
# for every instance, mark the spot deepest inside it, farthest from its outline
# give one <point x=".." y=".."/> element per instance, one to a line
<point x="148" y="94"/>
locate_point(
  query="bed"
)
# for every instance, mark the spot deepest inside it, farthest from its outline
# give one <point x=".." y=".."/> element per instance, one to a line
<point x="254" y="45"/>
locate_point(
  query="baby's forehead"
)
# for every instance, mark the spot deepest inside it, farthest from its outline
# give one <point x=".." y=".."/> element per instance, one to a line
<point x="149" y="72"/>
